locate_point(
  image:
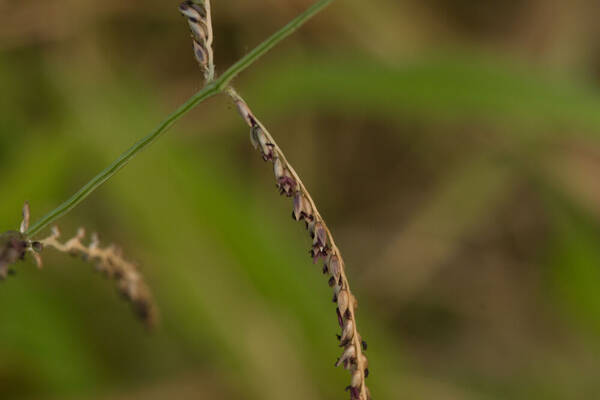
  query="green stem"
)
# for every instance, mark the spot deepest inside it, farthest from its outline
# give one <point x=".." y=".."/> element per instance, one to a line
<point x="209" y="90"/>
<point x="265" y="46"/>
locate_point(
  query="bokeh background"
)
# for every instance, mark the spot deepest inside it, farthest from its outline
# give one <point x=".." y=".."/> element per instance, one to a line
<point x="452" y="145"/>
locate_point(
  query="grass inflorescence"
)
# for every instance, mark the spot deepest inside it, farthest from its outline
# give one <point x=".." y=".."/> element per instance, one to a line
<point x="288" y="183"/>
<point x="323" y="247"/>
<point x="109" y="260"/>
<point x="14" y="245"/>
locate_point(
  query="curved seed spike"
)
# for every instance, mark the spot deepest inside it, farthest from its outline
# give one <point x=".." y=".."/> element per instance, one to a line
<point x="323" y="245"/>
<point x="110" y="261"/>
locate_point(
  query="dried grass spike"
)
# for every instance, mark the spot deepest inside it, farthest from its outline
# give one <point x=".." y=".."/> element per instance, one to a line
<point x="323" y="245"/>
<point x="110" y="261"/>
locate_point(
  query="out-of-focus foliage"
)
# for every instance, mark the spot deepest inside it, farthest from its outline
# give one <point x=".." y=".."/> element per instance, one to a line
<point x="452" y="146"/>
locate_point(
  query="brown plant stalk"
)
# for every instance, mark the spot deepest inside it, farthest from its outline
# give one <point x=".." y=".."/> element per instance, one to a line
<point x="289" y="183"/>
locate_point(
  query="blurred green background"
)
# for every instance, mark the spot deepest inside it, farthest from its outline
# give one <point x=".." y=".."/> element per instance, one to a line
<point x="452" y="145"/>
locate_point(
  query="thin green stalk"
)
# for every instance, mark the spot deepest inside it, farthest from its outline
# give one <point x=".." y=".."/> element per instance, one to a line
<point x="211" y="89"/>
<point x="265" y="46"/>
